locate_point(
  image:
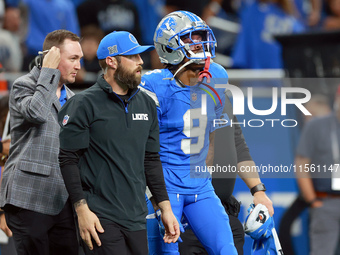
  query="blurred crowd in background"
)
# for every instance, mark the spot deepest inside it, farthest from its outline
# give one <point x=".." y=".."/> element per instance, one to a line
<point x="244" y="29"/>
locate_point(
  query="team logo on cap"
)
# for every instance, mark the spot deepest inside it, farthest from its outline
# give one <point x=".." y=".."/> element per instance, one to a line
<point x="112" y="49"/>
<point x="133" y="39"/>
<point x="65" y="120"/>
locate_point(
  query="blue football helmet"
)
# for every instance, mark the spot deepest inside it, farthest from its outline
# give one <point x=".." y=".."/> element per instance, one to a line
<point x="177" y="26"/>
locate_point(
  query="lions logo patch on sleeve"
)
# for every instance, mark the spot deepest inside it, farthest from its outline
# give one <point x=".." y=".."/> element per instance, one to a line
<point x="65" y="120"/>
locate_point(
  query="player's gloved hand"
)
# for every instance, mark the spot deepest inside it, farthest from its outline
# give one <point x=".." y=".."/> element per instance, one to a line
<point x="161" y="226"/>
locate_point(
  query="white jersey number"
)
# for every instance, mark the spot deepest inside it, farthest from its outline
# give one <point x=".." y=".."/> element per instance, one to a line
<point x="192" y="131"/>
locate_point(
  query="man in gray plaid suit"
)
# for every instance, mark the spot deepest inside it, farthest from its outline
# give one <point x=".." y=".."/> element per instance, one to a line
<point x="33" y="192"/>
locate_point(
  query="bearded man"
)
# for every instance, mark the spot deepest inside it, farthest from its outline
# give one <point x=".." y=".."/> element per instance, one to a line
<point x="109" y="144"/>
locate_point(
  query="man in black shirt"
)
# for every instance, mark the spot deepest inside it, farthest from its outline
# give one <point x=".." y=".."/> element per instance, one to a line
<point x="109" y="143"/>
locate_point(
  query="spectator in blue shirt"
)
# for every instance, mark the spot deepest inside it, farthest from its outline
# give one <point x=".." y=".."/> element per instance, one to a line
<point x="256" y="46"/>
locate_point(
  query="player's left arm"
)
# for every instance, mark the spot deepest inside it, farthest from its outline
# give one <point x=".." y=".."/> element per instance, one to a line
<point x="251" y="178"/>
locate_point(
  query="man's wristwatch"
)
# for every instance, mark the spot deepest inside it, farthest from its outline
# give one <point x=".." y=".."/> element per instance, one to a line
<point x="258" y="187"/>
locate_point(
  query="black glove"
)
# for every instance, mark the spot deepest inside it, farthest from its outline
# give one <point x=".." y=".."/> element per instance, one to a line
<point x="232" y="206"/>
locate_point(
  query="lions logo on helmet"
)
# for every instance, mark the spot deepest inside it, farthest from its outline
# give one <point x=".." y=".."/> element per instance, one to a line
<point x="169" y="45"/>
<point x="168" y="24"/>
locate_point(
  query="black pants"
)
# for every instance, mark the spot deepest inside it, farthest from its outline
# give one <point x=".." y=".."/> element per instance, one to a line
<point x="119" y="241"/>
<point x="191" y="245"/>
<point x="40" y="234"/>
<point x="290" y="215"/>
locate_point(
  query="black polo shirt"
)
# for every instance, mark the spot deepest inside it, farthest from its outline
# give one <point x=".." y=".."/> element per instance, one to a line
<point x="115" y="136"/>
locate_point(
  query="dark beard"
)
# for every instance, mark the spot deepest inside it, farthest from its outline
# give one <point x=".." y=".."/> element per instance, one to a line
<point x="126" y="79"/>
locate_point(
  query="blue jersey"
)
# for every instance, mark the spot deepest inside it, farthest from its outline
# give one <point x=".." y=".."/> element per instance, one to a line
<point x="186" y="118"/>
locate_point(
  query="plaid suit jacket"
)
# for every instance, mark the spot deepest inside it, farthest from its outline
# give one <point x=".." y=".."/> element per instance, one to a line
<point x="32" y="177"/>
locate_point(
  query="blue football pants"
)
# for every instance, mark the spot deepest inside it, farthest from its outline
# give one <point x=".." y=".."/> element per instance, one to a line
<point x="206" y="217"/>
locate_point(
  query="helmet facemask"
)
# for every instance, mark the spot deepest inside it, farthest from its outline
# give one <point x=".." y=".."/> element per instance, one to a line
<point x="197" y="45"/>
<point x="179" y="26"/>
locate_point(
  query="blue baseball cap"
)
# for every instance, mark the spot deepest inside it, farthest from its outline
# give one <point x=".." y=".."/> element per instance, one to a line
<point x="120" y="43"/>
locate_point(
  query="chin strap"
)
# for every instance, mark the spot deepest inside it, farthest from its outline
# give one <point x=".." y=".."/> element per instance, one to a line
<point x="205" y="73"/>
<point x="179" y="69"/>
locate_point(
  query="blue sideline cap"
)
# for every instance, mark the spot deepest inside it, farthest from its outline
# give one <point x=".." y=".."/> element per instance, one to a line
<point x="120" y="43"/>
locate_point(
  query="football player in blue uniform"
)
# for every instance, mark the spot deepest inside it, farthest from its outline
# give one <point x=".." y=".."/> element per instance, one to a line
<point x="189" y="94"/>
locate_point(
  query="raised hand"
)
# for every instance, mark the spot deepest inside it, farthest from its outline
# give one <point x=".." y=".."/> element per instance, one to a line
<point x="52" y="58"/>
